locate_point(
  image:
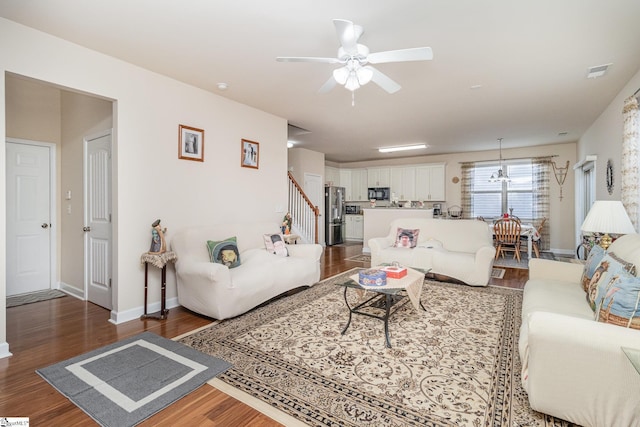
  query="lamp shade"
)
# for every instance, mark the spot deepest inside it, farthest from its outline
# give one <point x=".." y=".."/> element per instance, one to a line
<point x="607" y="216"/>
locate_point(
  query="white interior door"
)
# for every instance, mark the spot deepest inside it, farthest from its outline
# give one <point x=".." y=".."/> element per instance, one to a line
<point x="97" y="219"/>
<point x="29" y="217"/>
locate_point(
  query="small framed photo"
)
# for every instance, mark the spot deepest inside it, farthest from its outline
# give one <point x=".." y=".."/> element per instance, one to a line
<point x="191" y="143"/>
<point x="249" y="154"/>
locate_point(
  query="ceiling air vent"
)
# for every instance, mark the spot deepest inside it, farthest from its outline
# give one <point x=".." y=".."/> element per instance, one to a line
<point x="597" y="71"/>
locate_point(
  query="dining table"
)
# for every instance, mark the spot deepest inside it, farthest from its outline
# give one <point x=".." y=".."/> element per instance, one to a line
<point x="526" y="230"/>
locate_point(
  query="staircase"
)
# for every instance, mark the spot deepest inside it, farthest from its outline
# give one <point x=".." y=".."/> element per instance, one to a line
<point x="303" y="213"/>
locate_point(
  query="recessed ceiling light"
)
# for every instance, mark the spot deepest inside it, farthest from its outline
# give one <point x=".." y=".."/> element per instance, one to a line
<point x="402" y="148"/>
<point x="223" y="86"/>
<point x="476" y="87"/>
<point x="563" y="133"/>
<point x="289" y="144"/>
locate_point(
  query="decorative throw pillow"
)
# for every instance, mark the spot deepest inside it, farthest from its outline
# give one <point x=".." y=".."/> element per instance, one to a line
<point x="406" y="238"/>
<point x="224" y="252"/>
<point x="608" y="271"/>
<point x="619" y="302"/>
<point x="593" y="261"/>
<point x="275" y="244"/>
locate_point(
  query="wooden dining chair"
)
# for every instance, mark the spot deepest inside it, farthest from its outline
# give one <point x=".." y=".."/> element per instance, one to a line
<point x="535" y="243"/>
<point x="507" y="232"/>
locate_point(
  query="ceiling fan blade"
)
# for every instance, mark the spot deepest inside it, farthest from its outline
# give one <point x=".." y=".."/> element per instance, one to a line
<point x="307" y="59"/>
<point x="383" y="81"/>
<point x="328" y="85"/>
<point x="401" y="55"/>
<point x="348" y="34"/>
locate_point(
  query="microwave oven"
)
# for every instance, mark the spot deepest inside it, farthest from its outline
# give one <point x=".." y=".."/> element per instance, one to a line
<point x="379" y="193"/>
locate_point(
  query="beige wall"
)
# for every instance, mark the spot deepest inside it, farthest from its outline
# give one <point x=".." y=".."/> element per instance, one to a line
<point x="561" y="220"/>
<point x="150" y="181"/>
<point x="604" y="139"/>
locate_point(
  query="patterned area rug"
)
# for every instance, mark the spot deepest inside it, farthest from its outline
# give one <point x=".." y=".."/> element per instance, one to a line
<point x="22" y="299"/>
<point x="366" y="258"/>
<point x="455" y="364"/>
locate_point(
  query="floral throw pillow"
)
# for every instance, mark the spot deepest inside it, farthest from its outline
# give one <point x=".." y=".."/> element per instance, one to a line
<point x="610" y="269"/>
<point x="274" y="243"/>
<point x="224" y="252"/>
<point x="593" y="261"/>
<point x="406" y="237"/>
<point x="618" y="301"/>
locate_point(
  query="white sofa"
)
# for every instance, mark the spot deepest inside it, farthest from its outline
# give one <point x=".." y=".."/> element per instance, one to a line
<point x="573" y="366"/>
<point x="461" y="249"/>
<point x="220" y="292"/>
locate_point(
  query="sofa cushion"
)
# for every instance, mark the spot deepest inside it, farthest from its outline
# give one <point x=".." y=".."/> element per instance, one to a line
<point x="224" y="252"/>
<point x="610" y="267"/>
<point x="406" y="237"/>
<point x="274" y="243"/>
<point x="618" y="301"/>
<point x="593" y="260"/>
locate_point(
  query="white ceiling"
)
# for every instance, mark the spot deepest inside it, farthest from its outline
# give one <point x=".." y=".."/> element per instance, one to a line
<point x="530" y="58"/>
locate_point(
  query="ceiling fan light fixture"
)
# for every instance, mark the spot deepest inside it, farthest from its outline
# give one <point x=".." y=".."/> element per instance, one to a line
<point x="341" y="75"/>
<point x="402" y="148"/>
<point x="364" y="75"/>
<point x="352" y="82"/>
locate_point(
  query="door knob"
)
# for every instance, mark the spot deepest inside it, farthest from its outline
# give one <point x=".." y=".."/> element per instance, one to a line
<point x="44" y="225"/>
<point x="85" y="229"/>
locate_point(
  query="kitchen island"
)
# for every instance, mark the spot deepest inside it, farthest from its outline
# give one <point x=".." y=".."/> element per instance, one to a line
<point x="378" y="220"/>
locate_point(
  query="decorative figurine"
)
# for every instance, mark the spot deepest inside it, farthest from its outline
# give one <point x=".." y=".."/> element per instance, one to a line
<point x="158" y="243"/>
<point x="286" y="224"/>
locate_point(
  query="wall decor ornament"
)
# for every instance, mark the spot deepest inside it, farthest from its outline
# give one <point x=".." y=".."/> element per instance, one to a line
<point x="191" y="143"/>
<point x="249" y="154"/>
<point x="560" y="174"/>
<point x="610" y="176"/>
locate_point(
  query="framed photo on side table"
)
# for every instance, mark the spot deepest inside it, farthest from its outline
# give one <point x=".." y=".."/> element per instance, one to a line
<point x="191" y="143"/>
<point x="249" y="154"/>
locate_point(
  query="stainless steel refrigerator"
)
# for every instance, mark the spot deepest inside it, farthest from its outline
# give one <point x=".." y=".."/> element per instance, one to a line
<point x="334" y="215"/>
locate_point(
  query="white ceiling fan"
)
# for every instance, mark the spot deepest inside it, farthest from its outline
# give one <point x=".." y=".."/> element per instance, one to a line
<point x="354" y="58"/>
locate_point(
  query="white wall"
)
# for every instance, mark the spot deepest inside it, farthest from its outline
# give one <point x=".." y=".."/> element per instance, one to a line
<point x="604" y="139"/>
<point x="151" y="182"/>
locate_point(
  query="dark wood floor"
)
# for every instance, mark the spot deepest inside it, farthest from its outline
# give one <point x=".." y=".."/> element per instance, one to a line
<point x="48" y="332"/>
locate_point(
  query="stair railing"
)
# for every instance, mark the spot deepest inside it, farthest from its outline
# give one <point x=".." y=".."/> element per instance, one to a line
<point x="303" y="212"/>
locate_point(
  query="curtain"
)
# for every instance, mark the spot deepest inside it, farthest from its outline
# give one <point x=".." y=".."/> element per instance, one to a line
<point x="541" y="178"/>
<point x="630" y="182"/>
<point x="465" y="188"/>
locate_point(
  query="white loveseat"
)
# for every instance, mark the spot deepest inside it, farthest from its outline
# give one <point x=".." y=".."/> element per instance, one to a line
<point x="461" y="249"/>
<point x="220" y="292"/>
<point x="573" y="367"/>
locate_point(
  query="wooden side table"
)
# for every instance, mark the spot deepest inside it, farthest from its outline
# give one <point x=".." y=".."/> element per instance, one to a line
<point x="160" y="261"/>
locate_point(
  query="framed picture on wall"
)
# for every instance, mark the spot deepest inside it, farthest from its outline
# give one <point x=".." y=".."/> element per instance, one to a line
<point x="191" y="143"/>
<point x="249" y="154"/>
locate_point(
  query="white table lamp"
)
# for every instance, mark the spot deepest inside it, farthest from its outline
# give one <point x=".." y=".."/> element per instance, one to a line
<point x="607" y="217"/>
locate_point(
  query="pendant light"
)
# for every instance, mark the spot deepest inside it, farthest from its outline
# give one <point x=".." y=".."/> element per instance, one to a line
<point x="500" y="176"/>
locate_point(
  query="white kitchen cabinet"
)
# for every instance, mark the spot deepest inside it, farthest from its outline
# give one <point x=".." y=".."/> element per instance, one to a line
<point x="430" y="183"/>
<point x="354" y="227"/>
<point x="359" y="185"/>
<point x="331" y="176"/>
<point x="345" y="181"/>
<point x="403" y="182"/>
<point x="378" y="177"/>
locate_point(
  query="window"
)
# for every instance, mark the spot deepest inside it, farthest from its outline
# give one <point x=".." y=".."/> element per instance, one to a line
<point x="492" y="199"/>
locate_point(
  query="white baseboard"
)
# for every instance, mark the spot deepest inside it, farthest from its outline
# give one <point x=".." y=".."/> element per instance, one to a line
<point x="4" y="350"/>
<point x="118" y="317"/>
<point x="71" y="290"/>
<point x="563" y="251"/>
